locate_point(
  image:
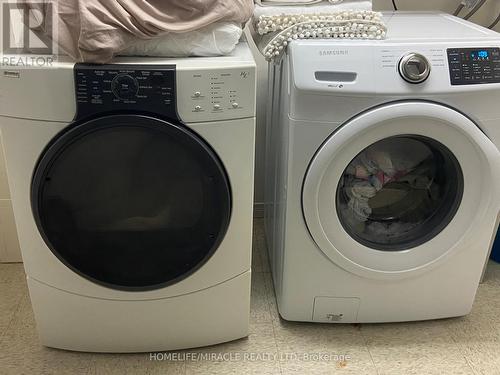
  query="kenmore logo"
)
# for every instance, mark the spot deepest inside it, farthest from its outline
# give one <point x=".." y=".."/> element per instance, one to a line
<point x="334" y="52"/>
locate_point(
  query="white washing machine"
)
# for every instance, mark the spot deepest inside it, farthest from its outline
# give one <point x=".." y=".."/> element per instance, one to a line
<point x="383" y="180"/>
<point x="132" y="186"/>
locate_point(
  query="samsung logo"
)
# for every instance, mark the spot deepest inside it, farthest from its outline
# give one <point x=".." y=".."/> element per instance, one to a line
<point x="334" y="52"/>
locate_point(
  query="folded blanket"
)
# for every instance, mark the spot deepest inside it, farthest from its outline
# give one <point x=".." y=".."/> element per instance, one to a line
<point x="95" y="30"/>
<point x="275" y="27"/>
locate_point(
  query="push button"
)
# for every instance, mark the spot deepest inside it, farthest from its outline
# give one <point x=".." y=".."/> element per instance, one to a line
<point x="197" y="108"/>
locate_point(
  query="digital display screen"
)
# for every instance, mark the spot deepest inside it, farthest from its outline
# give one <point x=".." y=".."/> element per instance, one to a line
<point x="483" y="54"/>
<point x="480" y="55"/>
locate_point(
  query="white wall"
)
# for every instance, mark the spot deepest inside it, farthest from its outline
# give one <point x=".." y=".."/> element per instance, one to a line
<point x="485" y="17"/>
<point x="9" y="244"/>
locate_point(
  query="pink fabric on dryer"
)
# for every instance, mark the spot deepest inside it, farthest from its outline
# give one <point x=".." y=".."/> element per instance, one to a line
<point x="96" y="30"/>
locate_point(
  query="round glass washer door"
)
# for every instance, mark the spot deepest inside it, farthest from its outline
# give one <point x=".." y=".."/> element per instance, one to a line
<point x="390" y="193"/>
<point x="131" y="202"/>
<point x="399" y="192"/>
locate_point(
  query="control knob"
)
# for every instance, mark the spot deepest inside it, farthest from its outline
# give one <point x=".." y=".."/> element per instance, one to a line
<point x="414" y="68"/>
<point x="124" y="86"/>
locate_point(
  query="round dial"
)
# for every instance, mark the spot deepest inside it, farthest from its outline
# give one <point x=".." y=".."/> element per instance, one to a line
<point x="414" y="68"/>
<point x="124" y="86"/>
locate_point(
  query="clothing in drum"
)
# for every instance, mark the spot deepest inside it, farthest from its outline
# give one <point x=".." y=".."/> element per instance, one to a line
<point x="399" y="192"/>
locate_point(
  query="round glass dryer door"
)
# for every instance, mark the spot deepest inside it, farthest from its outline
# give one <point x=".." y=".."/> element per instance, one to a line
<point x="131" y="202"/>
<point x="399" y="192"/>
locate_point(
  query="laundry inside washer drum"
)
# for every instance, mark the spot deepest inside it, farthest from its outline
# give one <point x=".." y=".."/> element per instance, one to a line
<point x="399" y="192"/>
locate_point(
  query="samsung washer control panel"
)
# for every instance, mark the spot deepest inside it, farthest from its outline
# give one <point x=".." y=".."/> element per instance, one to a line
<point x="473" y="66"/>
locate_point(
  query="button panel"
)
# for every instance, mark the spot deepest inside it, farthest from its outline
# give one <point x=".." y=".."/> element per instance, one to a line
<point x="103" y="88"/>
<point x="472" y="66"/>
<point x="216" y="94"/>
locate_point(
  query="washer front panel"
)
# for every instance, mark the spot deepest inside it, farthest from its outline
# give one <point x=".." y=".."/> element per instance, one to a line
<point x="472" y="150"/>
<point x="131" y="202"/>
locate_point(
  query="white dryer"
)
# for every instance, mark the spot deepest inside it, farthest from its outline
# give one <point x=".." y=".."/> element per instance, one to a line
<point x="132" y="186"/>
<point x="383" y="180"/>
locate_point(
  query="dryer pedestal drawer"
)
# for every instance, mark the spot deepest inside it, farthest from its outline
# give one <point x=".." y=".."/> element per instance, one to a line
<point x="209" y="316"/>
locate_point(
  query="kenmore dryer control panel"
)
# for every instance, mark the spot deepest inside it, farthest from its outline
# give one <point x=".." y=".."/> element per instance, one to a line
<point x="472" y="66"/>
<point x="215" y="94"/>
<point x="191" y="94"/>
<point x="111" y="88"/>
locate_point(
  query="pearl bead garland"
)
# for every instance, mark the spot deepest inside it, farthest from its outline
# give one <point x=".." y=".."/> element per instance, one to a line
<point x="337" y="25"/>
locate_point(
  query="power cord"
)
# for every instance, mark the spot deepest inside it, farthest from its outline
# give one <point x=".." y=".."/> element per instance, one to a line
<point x="459" y="9"/>
<point x="492" y="26"/>
<point x="394" y="5"/>
<point x="475" y="9"/>
<point x="476" y="5"/>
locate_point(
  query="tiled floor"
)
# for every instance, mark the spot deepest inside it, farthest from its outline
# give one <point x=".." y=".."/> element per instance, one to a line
<point x="469" y="345"/>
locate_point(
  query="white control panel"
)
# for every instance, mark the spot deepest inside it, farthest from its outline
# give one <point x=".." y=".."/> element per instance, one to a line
<point x="367" y="68"/>
<point x="222" y="94"/>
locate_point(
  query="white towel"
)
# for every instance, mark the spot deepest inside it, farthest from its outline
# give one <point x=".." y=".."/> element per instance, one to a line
<point x="217" y="39"/>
